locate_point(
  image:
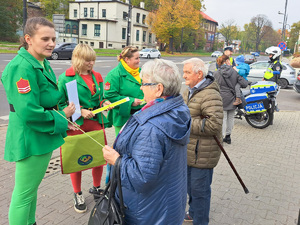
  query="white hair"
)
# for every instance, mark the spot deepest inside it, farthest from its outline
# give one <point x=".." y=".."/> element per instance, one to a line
<point x="165" y="72"/>
<point x="198" y="65"/>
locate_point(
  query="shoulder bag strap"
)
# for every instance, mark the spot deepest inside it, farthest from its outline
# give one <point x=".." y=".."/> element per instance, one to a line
<point x="118" y="178"/>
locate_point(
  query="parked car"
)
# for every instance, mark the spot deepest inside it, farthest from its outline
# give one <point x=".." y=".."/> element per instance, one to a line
<point x="250" y="59"/>
<point x="150" y="53"/>
<point x="256" y="54"/>
<point x="258" y="69"/>
<point x="296" y="85"/>
<point x="216" y="54"/>
<point x="63" y="51"/>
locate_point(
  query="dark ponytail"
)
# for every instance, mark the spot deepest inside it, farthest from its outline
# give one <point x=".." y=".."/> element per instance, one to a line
<point x="32" y="26"/>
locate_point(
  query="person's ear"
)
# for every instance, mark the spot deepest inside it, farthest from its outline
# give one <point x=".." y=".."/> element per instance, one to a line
<point x="27" y="39"/>
<point x="200" y="74"/>
<point x="160" y="89"/>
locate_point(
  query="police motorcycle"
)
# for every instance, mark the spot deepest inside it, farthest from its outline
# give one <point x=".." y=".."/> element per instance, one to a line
<point x="260" y="104"/>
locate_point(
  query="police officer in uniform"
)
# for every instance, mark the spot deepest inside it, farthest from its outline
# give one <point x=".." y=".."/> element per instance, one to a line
<point x="275" y="67"/>
<point x="228" y="51"/>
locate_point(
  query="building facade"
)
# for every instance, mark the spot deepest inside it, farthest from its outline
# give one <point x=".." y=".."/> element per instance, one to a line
<point x="210" y="28"/>
<point x="103" y="24"/>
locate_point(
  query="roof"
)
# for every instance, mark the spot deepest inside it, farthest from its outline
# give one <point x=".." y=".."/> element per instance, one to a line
<point x="207" y="17"/>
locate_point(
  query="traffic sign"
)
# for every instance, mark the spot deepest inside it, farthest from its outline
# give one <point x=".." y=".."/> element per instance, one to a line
<point x="282" y="45"/>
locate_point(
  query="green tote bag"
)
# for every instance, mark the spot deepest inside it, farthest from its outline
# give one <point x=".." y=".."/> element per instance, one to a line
<point x="80" y="152"/>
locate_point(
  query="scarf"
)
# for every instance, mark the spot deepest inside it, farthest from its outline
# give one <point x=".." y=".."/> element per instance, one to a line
<point x="134" y="72"/>
<point x="153" y="102"/>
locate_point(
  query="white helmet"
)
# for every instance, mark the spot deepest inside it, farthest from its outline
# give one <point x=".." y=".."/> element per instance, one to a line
<point x="273" y="50"/>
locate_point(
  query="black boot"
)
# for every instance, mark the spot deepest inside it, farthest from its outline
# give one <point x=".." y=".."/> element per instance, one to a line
<point x="227" y="139"/>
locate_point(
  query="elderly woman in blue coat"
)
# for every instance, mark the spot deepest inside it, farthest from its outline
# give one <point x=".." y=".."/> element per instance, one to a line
<point x="153" y="150"/>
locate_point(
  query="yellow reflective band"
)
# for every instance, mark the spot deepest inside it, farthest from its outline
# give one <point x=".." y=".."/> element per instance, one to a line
<point x="111" y="105"/>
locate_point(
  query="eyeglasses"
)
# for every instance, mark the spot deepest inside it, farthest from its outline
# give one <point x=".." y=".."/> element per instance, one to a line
<point x="149" y="84"/>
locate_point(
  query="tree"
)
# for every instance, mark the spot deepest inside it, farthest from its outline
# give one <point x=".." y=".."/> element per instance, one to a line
<point x="294" y="36"/>
<point x="11" y="19"/>
<point x="229" y="30"/>
<point x="51" y="7"/>
<point x="261" y="26"/>
<point x="172" y="17"/>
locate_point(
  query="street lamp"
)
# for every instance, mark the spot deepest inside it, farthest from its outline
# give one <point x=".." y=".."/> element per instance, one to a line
<point x="284" y="20"/>
<point x="24" y="12"/>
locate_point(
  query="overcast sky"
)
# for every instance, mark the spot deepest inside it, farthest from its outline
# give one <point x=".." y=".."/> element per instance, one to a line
<point x="241" y="11"/>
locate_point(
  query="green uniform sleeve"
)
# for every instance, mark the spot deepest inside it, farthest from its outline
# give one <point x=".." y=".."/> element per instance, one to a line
<point x="27" y="105"/>
<point x="63" y="90"/>
<point x="113" y="94"/>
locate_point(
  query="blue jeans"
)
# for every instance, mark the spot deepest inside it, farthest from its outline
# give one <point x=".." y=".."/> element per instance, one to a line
<point x="199" y="191"/>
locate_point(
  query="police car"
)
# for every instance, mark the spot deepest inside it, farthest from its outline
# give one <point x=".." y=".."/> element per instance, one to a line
<point x="258" y="69"/>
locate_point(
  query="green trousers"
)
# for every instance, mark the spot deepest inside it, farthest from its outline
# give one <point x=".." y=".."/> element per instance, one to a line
<point x="28" y="176"/>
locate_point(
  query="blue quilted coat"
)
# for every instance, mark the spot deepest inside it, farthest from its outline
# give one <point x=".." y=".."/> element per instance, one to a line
<point x="153" y="146"/>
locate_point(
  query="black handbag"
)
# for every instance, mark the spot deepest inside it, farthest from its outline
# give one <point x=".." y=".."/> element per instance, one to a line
<point x="107" y="211"/>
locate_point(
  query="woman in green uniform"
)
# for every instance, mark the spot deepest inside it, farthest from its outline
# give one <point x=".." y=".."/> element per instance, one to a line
<point x="121" y="82"/>
<point x="34" y="128"/>
<point x="90" y="94"/>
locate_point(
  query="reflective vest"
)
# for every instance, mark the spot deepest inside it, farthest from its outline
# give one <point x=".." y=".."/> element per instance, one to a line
<point x="269" y="73"/>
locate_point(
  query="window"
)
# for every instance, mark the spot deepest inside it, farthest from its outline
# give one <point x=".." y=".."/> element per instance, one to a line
<point x="81" y="42"/>
<point x="84" y="28"/>
<point x="109" y="45"/>
<point x="104" y="13"/>
<point x="97" y="30"/>
<point x="137" y="35"/>
<point x="137" y="17"/>
<point x="124" y="15"/>
<point x="123" y="33"/>
<point x="144" y="36"/>
<point x="86" y="42"/>
<point x="85" y="12"/>
<point x="75" y="13"/>
<point x="144" y="19"/>
<point x="74" y="29"/>
<point x="92" y="44"/>
<point x="123" y="46"/>
<point x="68" y="29"/>
<point x="150" y="38"/>
<point x="91" y="12"/>
<point x="100" y="44"/>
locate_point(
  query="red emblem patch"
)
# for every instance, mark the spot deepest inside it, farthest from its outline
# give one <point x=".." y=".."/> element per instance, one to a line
<point x="23" y="86"/>
<point x="107" y="86"/>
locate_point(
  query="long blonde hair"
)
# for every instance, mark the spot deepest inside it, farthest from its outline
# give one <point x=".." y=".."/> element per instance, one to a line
<point x="81" y="54"/>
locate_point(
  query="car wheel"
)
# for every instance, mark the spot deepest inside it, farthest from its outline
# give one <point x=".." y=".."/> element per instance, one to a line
<point x="283" y="83"/>
<point x="54" y="56"/>
<point x="148" y="56"/>
<point x="158" y="56"/>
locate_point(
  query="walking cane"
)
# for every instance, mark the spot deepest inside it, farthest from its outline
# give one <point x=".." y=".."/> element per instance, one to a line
<point x="231" y="165"/>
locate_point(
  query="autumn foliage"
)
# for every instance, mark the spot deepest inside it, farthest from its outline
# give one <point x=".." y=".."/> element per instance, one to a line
<point x="173" y="17"/>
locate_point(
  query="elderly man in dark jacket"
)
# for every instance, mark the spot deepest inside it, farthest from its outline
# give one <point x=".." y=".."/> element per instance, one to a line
<point x="205" y="103"/>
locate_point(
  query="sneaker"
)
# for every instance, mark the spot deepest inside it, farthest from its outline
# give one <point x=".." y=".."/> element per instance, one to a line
<point x="96" y="191"/>
<point x="187" y="217"/>
<point x="79" y="204"/>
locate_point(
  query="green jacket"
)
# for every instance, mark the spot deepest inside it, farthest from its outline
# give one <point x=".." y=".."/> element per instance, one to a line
<point x="86" y="99"/>
<point x="30" y="88"/>
<point x="120" y="84"/>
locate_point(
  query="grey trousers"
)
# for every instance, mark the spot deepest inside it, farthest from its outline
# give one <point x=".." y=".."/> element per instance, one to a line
<point x="228" y="121"/>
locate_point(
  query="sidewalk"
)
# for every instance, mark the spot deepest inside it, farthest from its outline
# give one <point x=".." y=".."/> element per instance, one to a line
<point x="267" y="160"/>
